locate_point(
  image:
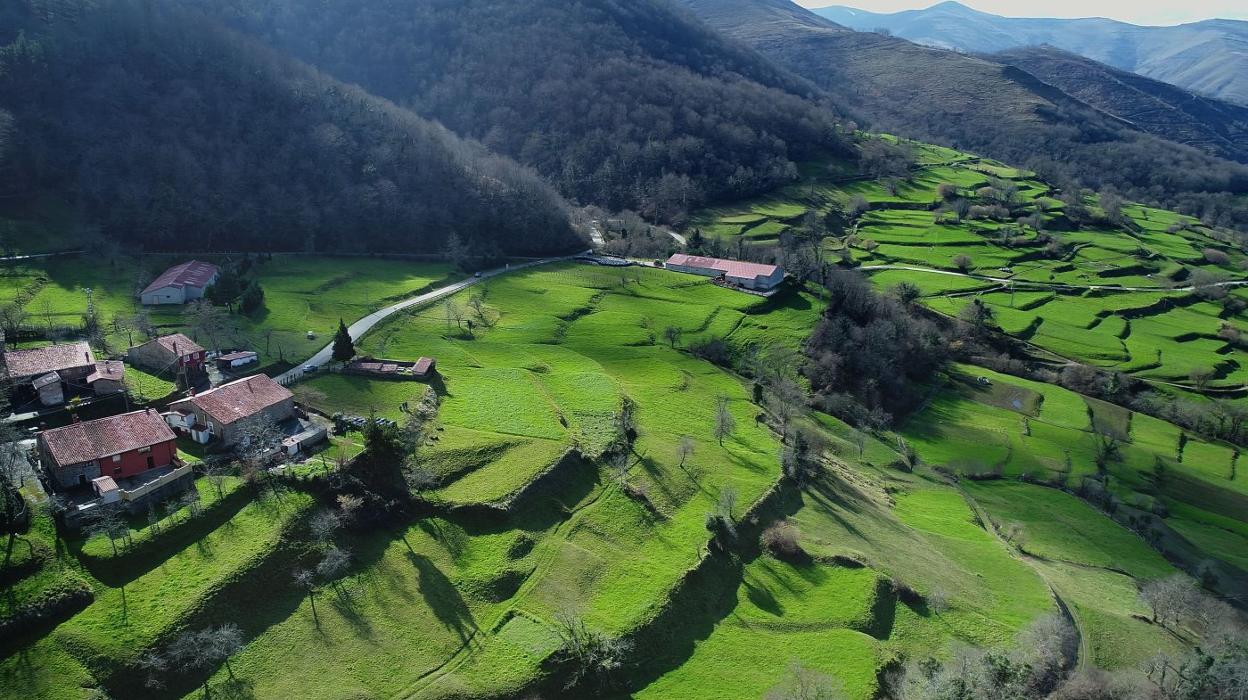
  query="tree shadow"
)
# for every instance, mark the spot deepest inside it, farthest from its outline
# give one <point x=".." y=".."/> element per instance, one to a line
<point x="763" y="598"/>
<point x="442" y="597"/>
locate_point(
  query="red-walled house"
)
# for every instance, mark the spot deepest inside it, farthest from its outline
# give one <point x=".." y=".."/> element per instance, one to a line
<point x="169" y="355"/>
<point x="118" y="446"/>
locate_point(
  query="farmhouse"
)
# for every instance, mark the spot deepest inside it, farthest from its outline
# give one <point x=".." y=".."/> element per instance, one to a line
<point x="755" y="276"/>
<point x="180" y="283"/>
<point x="172" y="355"/>
<point x="53" y="372"/>
<point x="225" y="413"/>
<point x="118" y="447"/>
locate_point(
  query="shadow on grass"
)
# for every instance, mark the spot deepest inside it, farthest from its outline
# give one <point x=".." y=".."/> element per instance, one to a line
<point x="149" y="554"/>
<point x="442" y="598"/>
<point x="707" y="595"/>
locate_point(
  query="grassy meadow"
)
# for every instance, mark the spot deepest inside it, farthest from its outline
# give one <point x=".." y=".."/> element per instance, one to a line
<point x="575" y="462"/>
<point x="1115" y="297"/>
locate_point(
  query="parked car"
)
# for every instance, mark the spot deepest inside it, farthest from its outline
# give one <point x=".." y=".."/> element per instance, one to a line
<point x="309" y="368"/>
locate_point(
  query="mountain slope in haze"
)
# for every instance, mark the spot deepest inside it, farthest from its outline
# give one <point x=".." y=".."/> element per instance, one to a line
<point x="979" y="105"/>
<point x="174" y="134"/>
<point x="623" y="103"/>
<point x="1159" y="108"/>
<point x="1209" y="57"/>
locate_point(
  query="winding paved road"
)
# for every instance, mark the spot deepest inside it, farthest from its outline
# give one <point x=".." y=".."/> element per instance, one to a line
<point x="364" y="325"/>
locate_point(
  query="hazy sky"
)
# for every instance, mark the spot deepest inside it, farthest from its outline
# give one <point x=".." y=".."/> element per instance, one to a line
<point x="1136" y="11"/>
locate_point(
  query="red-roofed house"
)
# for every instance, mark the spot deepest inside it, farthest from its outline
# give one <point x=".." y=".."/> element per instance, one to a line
<point x="180" y="283"/>
<point x="225" y="413"/>
<point x="118" y="446"/>
<point x="750" y="275"/>
<point x="170" y="355"/>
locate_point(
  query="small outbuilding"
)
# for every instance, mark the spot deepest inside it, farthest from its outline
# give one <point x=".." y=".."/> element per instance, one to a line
<point x="234" y="360"/>
<point x="109" y="377"/>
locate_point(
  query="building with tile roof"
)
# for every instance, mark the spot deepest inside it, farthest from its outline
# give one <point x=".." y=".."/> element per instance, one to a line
<point x="173" y="355"/>
<point x="226" y="412"/>
<point x="119" y="446"/>
<point x="51" y="372"/>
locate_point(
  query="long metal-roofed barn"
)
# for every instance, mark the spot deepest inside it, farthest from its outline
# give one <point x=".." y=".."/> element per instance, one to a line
<point x="180" y="283"/>
<point x="755" y="276"/>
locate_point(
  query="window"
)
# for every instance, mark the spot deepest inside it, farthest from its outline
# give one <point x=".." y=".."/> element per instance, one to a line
<point x="116" y="458"/>
<point x="145" y="449"/>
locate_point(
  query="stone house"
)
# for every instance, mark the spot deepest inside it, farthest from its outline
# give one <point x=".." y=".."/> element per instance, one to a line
<point x="224" y="414"/>
<point x="172" y="355"/>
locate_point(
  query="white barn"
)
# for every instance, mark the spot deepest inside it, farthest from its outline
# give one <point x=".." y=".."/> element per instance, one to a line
<point x="749" y="275"/>
<point x="180" y="283"/>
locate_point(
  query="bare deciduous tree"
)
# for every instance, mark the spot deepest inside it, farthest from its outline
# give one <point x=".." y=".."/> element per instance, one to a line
<point x="684" y="450"/>
<point x="724" y="422"/>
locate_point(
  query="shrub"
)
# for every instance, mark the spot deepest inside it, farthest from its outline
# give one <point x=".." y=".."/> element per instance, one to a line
<point x="782" y="541"/>
<point x="1213" y="256"/>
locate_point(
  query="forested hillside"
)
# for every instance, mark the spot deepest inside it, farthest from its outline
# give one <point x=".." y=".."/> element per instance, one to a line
<point x="987" y="107"/>
<point x="172" y="133"/>
<point x="625" y="104"/>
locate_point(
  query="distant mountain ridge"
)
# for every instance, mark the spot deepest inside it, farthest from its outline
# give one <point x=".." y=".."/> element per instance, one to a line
<point x="1209" y="57"/>
<point x="983" y="105"/>
<point x="1214" y="126"/>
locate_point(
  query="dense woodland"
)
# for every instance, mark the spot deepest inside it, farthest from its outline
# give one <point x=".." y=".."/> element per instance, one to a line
<point x="174" y="134"/>
<point x="868" y="353"/>
<point x="620" y="103"/>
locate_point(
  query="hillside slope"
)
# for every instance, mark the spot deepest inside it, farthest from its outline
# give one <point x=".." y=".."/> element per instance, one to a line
<point x="176" y="135"/>
<point x="1214" y="126"/>
<point x="1207" y="57"/>
<point x="623" y="104"/>
<point x="979" y="105"/>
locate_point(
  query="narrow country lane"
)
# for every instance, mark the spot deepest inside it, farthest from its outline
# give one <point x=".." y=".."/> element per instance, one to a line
<point x="359" y="328"/>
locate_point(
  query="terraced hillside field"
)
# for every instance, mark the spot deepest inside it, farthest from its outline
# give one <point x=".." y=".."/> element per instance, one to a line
<point x="1158" y="295"/>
